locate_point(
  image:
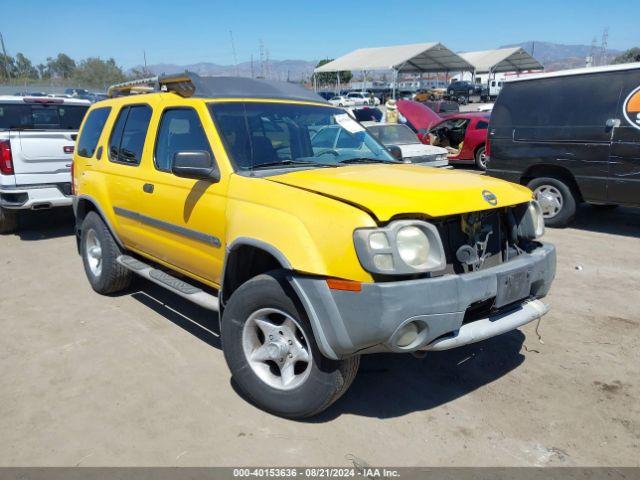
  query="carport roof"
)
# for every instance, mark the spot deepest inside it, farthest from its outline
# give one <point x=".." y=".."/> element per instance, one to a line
<point x="513" y="59"/>
<point x="419" y="57"/>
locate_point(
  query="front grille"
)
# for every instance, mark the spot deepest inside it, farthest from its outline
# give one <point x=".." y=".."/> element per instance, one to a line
<point x="453" y="237"/>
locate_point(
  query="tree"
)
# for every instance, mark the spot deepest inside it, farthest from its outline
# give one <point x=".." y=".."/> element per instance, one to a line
<point x="96" y="72"/>
<point x="631" y="55"/>
<point x="24" y="67"/>
<point x="328" y="78"/>
<point x="7" y="67"/>
<point x="140" y="72"/>
<point x="61" y="66"/>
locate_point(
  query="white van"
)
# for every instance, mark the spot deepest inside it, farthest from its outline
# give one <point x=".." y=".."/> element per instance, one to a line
<point x="494" y="88"/>
<point x="37" y="138"/>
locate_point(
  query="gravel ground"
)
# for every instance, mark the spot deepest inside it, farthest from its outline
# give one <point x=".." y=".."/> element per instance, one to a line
<point x="139" y="378"/>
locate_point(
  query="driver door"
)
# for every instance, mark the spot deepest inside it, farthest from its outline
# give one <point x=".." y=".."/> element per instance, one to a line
<point x="184" y="218"/>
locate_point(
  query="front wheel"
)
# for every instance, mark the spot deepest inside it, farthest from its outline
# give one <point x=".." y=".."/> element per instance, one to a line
<point x="556" y="200"/>
<point x="269" y="347"/>
<point x="481" y="158"/>
<point x="8" y="221"/>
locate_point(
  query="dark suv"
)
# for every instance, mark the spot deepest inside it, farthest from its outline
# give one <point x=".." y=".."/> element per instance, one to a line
<point x="571" y="137"/>
<point x="463" y="90"/>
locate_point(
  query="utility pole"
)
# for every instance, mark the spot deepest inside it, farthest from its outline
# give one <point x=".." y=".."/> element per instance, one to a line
<point x="252" y="66"/>
<point x="5" y="58"/>
<point x="603" y="45"/>
<point x="262" y="59"/>
<point x="233" y="50"/>
<point x="144" y="55"/>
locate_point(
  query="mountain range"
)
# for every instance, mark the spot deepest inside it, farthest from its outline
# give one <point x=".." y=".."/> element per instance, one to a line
<point x="554" y="56"/>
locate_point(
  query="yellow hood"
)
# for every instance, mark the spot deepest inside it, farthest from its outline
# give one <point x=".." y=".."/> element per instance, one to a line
<point x="389" y="190"/>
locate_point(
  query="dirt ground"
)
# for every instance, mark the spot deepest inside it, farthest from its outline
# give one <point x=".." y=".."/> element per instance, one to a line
<point x="139" y="378"/>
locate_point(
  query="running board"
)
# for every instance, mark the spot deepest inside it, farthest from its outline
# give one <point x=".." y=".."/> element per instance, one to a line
<point x="173" y="284"/>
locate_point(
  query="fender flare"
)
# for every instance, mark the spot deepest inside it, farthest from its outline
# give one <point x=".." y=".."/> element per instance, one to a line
<point x="314" y="320"/>
<point x="105" y="219"/>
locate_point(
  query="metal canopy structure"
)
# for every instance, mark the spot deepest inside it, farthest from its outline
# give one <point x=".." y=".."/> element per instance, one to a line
<point x="513" y="59"/>
<point x="415" y="58"/>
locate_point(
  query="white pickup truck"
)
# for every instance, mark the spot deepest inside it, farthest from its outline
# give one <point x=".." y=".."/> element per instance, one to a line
<point x="37" y="138"/>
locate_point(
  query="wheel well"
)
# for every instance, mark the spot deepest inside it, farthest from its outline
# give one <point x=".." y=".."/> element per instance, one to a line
<point x="243" y="263"/>
<point x="83" y="207"/>
<point x="552" y="171"/>
<point x="478" y="148"/>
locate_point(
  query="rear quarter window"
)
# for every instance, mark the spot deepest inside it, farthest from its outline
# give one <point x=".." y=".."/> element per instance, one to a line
<point x="129" y="134"/>
<point x="576" y="101"/>
<point x="91" y="131"/>
<point x="41" y="116"/>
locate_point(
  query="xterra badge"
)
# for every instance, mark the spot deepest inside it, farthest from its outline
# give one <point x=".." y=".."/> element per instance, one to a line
<point x="631" y="108"/>
<point x="489" y="197"/>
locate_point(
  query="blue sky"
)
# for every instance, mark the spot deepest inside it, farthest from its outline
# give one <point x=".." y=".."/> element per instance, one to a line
<point x="191" y="31"/>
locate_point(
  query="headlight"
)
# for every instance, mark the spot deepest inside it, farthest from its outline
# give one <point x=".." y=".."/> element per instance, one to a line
<point x="413" y="246"/>
<point x="401" y="248"/>
<point x="531" y="225"/>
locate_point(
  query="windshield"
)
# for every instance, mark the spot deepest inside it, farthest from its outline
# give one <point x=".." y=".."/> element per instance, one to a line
<point x="393" y="134"/>
<point x="273" y="135"/>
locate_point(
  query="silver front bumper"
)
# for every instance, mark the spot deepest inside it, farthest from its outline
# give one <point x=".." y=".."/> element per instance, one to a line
<point x="491" y="326"/>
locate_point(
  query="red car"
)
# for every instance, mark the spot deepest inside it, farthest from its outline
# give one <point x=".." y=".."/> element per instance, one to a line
<point x="469" y="129"/>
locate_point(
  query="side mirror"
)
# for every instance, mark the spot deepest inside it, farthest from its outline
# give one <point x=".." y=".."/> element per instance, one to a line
<point x="395" y="152"/>
<point x="196" y="164"/>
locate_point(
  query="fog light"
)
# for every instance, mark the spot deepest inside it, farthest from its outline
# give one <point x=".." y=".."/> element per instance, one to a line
<point x="407" y="335"/>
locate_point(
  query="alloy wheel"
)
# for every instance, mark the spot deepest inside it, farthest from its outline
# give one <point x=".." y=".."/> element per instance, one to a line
<point x="276" y="348"/>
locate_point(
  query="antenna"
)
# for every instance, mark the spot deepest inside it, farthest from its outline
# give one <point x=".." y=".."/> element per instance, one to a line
<point x="591" y="59"/>
<point x="233" y="50"/>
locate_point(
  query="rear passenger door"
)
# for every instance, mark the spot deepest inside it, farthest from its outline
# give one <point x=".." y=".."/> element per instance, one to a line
<point x="183" y="219"/>
<point x="125" y="150"/>
<point x="624" y="179"/>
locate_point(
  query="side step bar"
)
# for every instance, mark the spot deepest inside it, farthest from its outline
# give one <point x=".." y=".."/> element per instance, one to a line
<point x="173" y="284"/>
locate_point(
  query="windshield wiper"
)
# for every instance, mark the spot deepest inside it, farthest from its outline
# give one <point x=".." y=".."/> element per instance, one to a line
<point x="293" y="163"/>
<point x="367" y="160"/>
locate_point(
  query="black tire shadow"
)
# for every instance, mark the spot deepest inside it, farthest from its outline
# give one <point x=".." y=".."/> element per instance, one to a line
<point x="199" y="322"/>
<point x="45" y="224"/>
<point x="391" y="385"/>
<point x="617" y="221"/>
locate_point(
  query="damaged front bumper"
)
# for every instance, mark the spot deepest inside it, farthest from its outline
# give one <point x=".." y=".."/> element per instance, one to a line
<point x="441" y="309"/>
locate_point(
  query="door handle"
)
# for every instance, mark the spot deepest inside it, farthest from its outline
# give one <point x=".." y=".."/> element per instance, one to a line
<point x="148" y="188"/>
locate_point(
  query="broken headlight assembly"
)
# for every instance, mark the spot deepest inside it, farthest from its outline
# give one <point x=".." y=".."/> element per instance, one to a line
<point x="531" y="224"/>
<point x="403" y="247"/>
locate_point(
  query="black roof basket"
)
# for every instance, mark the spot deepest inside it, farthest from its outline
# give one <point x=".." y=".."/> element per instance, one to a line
<point x="192" y="85"/>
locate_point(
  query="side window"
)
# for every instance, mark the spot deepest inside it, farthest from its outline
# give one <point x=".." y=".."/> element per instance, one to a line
<point x="129" y="133"/>
<point x="91" y="131"/>
<point x="482" y="125"/>
<point x="180" y="130"/>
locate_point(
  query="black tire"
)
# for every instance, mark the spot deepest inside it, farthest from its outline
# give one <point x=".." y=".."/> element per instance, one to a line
<point x="8" y="221"/>
<point x="480" y="159"/>
<point x="112" y="276"/>
<point x="327" y="379"/>
<point x="567" y="212"/>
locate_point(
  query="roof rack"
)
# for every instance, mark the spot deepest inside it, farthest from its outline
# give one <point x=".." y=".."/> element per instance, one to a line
<point x="180" y="84"/>
<point x="189" y="84"/>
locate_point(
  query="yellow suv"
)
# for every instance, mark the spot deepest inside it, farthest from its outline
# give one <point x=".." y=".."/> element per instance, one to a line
<point x="259" y="200"/>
